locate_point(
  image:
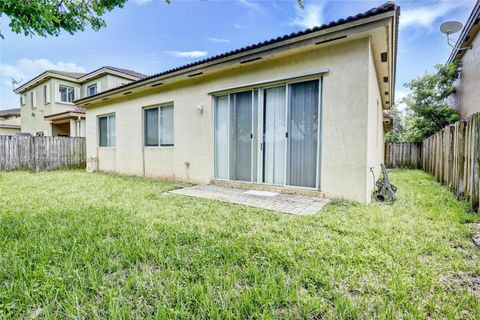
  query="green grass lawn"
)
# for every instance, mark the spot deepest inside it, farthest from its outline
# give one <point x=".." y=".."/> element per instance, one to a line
<point x="78" y="245"/>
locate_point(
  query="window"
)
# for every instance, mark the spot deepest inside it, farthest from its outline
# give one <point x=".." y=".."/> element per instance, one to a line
<point x="106" y="130"/>
<point x="66" y="94"/>
<point x="159" y="126"/>
<point x="92" y="89"/>
<point x="22" y="99"/>
<point x="46" y="94"/>
<point x="32" y="99"/>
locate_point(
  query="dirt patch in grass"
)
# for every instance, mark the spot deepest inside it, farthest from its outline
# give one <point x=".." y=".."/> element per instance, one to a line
<point x="468" y="281"/>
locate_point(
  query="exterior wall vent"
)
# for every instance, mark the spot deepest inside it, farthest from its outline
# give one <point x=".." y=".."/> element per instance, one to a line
<point x="384" y="56"/>
<point x="385" y="79"/>
<point x="250" y="60"/>
<point x="330" y="40"/>
<point x="195" y="74"/>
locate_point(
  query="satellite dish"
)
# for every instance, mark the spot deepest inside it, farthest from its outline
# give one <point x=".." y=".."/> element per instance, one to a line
<point x="450" y="27"/>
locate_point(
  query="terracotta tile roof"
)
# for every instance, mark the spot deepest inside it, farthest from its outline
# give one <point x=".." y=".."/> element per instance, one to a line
<point x="386" y="7"/>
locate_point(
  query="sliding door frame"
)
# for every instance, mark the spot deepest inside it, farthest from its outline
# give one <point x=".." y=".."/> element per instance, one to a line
<point x="259" y="138"/>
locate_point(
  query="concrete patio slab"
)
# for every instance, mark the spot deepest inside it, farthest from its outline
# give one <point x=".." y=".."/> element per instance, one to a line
<point x="292" y="204"/>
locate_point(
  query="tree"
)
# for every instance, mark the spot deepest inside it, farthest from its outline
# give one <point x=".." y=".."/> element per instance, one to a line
<point x="428" y="110"/>
<point x="396" y="134"/>
<point x="49" y="17"/>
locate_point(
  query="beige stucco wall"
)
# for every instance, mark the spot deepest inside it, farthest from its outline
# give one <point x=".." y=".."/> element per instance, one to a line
<point x="8" y="131"/>
<point x="375" y="142"/>
<point x="346" y="106"/>
<point x="102" y="85"/>
<point x="468" y="86"/>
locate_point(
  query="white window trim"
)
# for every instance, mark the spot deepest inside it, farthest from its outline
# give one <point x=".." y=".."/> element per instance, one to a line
<point x="60" y="95"/>
<point x="87" y="93"/>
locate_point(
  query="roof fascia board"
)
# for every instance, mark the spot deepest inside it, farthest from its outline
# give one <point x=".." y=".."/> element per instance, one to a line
<point x="41" y="78"/>
<point x="466" y="30"/>
<point x="102" y="71"/>
<point x="361" y="25"/>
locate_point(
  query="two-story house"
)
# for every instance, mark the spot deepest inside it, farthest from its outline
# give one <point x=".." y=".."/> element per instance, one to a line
<point x="47" y="101"/>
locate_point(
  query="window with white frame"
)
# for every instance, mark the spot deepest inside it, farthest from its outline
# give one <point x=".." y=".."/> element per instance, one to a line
<point x="92" y="89"/>
<point x="158" y="124"/>
<point x="22" y="99"/>
<point x="106" y="129"/>
<point x="67" y="94"/>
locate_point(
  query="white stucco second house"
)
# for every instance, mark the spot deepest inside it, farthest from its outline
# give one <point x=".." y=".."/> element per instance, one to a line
<point x="299" y="112"/>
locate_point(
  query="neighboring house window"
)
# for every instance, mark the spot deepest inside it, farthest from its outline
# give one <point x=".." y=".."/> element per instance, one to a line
<point x="158" y="125"/>
<point x="66" y="94"/>
<point x="46" y="94"/>
<point x="106" y="126"/>
<point x="32" y="99"/>
<point x="92" y="89"/>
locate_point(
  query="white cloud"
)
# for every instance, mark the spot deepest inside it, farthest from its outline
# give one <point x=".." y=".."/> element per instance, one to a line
<point x="238" y="26"/>
<point x="425" y="16"/>
<point x="26" y="69"/>
<point x="309" y="17"/>
<point x="218" y="40"/>
<point x="250" y="5"/>
<point x="187" y="54"/>
<point x="399" y="95"/>
<point x="142" y="2"/>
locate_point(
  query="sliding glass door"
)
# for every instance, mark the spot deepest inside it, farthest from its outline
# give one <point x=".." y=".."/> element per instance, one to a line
<point x="241" y="136"/>
<point x="233" y="127"/>
<point x="274" y="127"/>
<point x="303" y="134"/>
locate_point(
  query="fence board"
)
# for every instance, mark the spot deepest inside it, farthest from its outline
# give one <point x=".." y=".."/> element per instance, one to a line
<point x="41" y="153"/>
<point x="403" y="155"/>
<point x="451" y="155"/>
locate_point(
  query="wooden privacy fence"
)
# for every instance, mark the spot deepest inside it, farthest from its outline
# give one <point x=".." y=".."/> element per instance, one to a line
<point x="41" y="153"/>
<point x="403" y="155"/>
<point x="452" y="156"/>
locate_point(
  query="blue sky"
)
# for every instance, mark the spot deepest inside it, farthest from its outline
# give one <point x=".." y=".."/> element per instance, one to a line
<point x="150" y="36"/>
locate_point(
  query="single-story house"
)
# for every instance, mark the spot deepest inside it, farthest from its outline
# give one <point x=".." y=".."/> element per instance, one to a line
<point x="10" y="122"/>
<point x="467" y="50"/>
<point x="301" y="112"/>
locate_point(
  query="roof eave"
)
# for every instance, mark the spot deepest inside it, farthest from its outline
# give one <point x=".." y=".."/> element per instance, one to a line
<point x="41" y="78"/>
<point x="467" y="29"/>
<point x="232" y="58"/>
